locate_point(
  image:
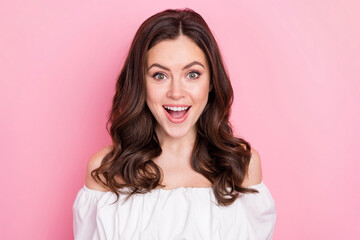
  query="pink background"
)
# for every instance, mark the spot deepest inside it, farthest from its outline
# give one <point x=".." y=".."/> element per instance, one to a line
<point x="294" y="66"/>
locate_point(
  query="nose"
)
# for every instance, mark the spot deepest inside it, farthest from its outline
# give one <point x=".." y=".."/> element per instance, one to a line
<point x="176" y="90"/>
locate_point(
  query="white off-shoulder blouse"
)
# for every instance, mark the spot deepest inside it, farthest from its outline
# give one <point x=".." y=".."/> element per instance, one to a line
<point x="180" y="213"/>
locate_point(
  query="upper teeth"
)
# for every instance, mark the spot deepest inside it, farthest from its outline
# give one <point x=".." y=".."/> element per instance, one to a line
<point x="176" y="108"/>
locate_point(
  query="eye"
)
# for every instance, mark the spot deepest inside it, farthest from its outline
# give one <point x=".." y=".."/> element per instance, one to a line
<point x="159" y="76"/>
<point x="193" y="75"/>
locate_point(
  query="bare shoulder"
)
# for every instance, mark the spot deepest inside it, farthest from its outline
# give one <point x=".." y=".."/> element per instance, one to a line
<point x="93" y="163"/>
<point x="254" y="174"/>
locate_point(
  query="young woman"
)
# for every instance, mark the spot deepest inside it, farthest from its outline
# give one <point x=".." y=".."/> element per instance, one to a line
<point x="175" y="170"/>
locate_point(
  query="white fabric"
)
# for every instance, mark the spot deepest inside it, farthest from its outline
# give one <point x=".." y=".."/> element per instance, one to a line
<point x="181" y="213"/>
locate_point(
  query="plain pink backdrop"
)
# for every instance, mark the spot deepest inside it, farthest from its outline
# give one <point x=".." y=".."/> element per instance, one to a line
<point x="294" y="66"/>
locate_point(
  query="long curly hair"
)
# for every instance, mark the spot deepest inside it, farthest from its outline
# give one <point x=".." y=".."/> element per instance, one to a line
<point x="217" y="154"/>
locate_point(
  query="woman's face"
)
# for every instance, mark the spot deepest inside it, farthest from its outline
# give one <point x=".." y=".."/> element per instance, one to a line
<point x="177" y="85"/>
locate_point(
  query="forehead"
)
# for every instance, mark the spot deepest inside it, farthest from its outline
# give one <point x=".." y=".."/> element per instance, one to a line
<point x="179" y="51"/>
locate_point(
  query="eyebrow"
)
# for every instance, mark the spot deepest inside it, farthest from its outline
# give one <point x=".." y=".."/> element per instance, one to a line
<point x="186" y="67"/>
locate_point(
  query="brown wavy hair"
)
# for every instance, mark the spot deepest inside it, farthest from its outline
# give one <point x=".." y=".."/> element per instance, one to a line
<point x="217" y="154"/>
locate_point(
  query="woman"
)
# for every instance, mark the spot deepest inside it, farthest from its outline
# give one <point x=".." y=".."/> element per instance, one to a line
<point x="175" y="170"/>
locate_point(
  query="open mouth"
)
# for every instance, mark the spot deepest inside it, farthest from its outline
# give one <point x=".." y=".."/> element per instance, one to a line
<point x="176" y="112"/>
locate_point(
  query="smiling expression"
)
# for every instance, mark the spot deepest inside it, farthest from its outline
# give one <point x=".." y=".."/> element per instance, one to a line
<point x="177" y="85"/>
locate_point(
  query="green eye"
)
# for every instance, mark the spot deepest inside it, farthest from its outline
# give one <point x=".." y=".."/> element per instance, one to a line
<point x="159" y="76"/>
<point x="193" y="75"/>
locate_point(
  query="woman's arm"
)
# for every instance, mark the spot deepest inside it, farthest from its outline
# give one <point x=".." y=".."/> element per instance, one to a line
<point x="254" y="174"/>
<point x="93" y="163"/>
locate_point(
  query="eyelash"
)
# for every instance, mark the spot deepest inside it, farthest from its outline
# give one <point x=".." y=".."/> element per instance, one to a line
<point x="158" y="73"/>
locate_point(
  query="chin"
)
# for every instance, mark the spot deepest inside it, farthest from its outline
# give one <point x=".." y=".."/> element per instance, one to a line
<point x="176" y="132"/>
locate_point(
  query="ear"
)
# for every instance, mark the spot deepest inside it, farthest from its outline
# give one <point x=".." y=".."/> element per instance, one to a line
<point x="210" y="87"/>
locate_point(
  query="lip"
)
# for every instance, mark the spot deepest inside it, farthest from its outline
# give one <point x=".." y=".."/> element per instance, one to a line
<point x="177" y="120"/>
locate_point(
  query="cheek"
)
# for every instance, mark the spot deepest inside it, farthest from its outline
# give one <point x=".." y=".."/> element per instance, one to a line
<point x="201" y="93"/>
<point x="154" y="97"/>
<point x="150" y="94"/>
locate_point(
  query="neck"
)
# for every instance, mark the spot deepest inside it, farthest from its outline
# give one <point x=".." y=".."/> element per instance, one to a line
<point x="176" y="145"/>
